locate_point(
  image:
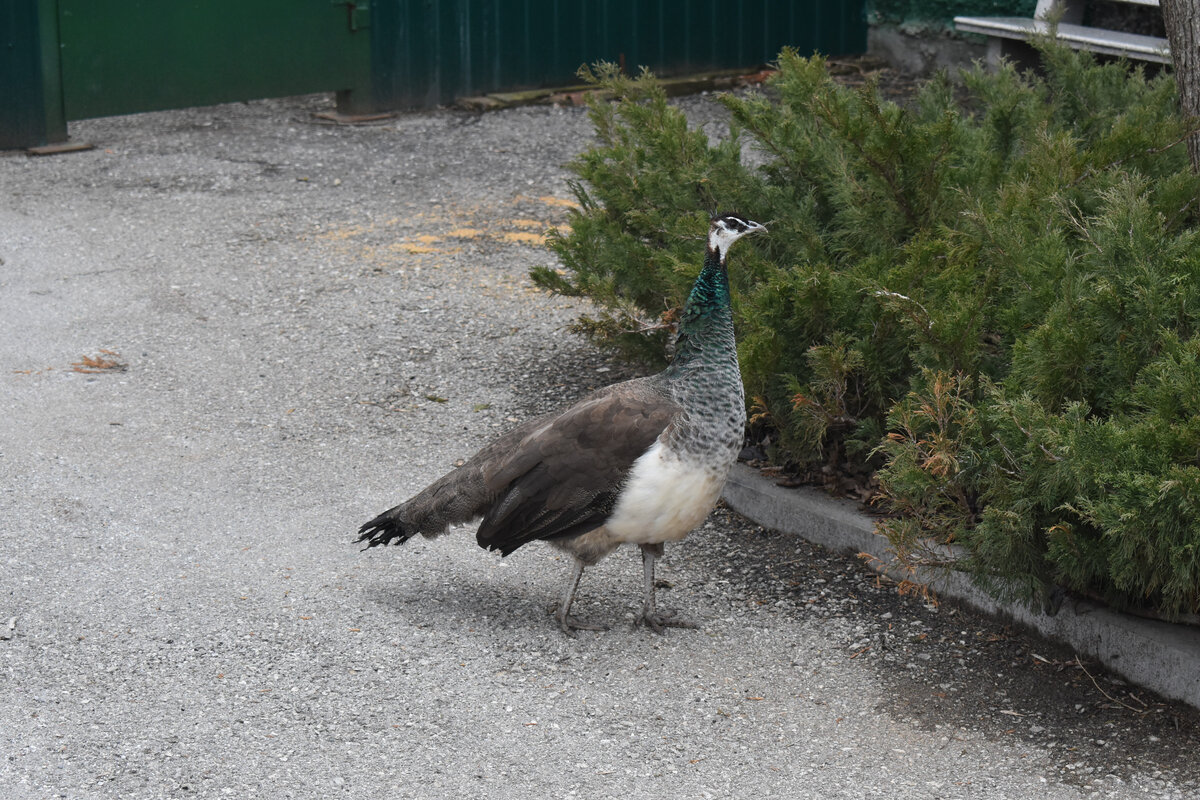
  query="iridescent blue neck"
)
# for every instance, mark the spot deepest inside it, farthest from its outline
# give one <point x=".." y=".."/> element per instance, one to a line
<point x="706" y="327"/>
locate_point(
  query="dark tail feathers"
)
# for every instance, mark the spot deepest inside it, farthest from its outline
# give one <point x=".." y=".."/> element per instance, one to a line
<point x="387" y="528"/>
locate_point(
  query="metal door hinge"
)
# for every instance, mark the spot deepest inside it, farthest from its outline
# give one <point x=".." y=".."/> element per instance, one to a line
<point x="358" y="13"/>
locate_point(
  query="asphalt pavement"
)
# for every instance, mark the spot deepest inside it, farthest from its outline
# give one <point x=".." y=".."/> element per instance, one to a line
<point x="229" y="336"/>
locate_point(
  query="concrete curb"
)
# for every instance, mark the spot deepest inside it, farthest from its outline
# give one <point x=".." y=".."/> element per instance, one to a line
<point x="1162" y="657"/>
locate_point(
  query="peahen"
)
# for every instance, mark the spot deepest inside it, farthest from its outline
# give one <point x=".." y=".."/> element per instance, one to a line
<point x="641" y="461"/>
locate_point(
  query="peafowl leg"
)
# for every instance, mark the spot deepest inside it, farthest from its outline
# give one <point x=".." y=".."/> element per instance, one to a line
<point x="651" y="617"/>
<point x="566" y="622"/>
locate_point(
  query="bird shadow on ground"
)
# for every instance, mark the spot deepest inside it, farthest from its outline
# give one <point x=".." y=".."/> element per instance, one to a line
<point x="526" y="597"/>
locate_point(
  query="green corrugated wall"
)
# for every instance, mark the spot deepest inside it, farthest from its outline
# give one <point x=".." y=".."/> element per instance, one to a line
<point x="426" y="52"/>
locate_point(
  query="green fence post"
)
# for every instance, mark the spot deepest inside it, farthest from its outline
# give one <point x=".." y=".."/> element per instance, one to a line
<point x="31" y="100"/>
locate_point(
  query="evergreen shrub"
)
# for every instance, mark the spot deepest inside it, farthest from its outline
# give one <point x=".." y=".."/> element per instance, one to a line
<point x="989" y="295"/>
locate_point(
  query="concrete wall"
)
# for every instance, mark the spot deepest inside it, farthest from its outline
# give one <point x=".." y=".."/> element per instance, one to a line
<point x="939" y="13"/>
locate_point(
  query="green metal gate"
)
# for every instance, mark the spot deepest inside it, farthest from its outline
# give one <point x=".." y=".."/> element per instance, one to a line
<point x="121" y="56"/>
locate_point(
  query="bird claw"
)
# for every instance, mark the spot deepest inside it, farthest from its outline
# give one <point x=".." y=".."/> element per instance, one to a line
<point x="660" y="621"/>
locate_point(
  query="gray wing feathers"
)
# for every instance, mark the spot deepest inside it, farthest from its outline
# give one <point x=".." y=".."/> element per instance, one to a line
<point x="564" y="477"/>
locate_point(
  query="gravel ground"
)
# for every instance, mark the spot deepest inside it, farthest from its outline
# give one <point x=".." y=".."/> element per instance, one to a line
<point x="229" y="335"/>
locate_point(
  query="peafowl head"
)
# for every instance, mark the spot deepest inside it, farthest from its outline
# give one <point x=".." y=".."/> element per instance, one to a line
<point x="725" y="229"/>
